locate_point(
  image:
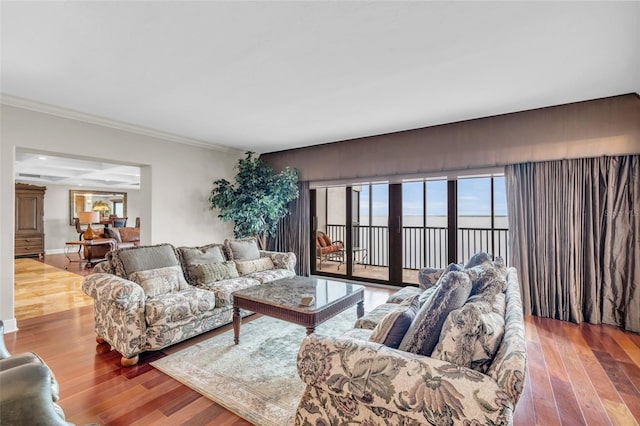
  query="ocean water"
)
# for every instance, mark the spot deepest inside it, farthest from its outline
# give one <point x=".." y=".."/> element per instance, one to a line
<point x="429" y="247"/>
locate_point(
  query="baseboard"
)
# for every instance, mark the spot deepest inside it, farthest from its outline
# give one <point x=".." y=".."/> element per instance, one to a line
<point x="10" y="325"/>
<point x="54" y="251"/>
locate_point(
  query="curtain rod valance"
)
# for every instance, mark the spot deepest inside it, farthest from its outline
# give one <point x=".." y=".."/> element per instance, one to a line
<point x="601" y="127"/>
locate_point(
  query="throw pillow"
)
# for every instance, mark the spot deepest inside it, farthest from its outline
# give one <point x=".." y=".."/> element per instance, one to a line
<point x="472" y="334"/>
<point x="190" y="256"/>
<point x="488" y="276"/>
<point x="160" y="280"/>
<point x="478" y="259"/>
<point x="430" y="277"/>
<point x="427" y="295"/>
<point x="207" y="273"/>
<point x="245" y="249"/>
<point x="424" y="333"/>
<point x="392" y="328"/>
<point x="143" y="258"/>
<point x="403" y="294"/>
<point x="249" y="266"/>
<point x="112" y="233"/>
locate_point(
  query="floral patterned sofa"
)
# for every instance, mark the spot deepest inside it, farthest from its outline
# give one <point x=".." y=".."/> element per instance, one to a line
<point x="149" y="297"/>
<point x="357" y="378"/>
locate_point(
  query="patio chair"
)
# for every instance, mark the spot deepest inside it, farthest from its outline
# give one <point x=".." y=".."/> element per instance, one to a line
<point x="327" y="249"/>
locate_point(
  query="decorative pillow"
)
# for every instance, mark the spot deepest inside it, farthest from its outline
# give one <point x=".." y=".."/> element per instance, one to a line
<point x="249" y="266"/>
<point x="211" y="253"/>
<point x="403" y="294"/>
<point x="428" y="277"/>
<point x="160" y="281"/>
<point x="128" y="260"/>
<point x="321" y="241"/>
<point x="394" y="325"/>
<point x="191" y="256"/>
<point x="488" y="276"/>
<point x="478" y="259"/>
<point x="425" y="329"/>
<point x="327" y="240"/>
<point x="472" y="334"/>
<point x="112" y="233"/>
<point x="207" y="273"/>
<point x="245" y="249"/>
<point x="427" y="295"/>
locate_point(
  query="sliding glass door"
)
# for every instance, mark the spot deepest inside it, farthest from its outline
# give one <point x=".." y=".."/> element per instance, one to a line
<point x="424" y="226"/>
<point x="482" y="217"/>
<point x="370" y="244"/>
<point x="385" y="233"/>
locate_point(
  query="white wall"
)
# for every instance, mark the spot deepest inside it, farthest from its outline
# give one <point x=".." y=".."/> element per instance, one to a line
<point x="175" y="181"/>
<point x="57" y="230"/>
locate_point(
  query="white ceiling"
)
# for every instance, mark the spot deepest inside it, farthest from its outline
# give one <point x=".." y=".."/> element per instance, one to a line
<point x="45" y="169"/>
<point x="268" y="76"/>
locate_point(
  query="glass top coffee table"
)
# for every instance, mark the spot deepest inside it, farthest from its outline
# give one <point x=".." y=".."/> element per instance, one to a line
<point x="281" y="299"/>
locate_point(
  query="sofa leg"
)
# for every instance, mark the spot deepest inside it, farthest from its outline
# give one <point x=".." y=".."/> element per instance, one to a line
<point x="103" y="346"/>
<point x="129" y="362"/>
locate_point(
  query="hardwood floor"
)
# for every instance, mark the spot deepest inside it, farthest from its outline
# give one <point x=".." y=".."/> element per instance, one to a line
<point x="409" y="276"/>
<point x="43" y="289"/>
<point x="577" y="375"/>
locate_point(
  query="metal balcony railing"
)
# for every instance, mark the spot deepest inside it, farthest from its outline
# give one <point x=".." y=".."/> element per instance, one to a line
<point x="423" y="246"/>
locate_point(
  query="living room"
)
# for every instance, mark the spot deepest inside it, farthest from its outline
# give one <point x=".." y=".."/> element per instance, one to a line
<point x="516" y="91"/>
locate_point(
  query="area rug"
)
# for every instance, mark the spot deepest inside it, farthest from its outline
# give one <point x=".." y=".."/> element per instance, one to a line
<point x="256" y="379"/>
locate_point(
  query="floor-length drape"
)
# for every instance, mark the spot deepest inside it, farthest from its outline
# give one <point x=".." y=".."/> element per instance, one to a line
<point x="294" y="230"/>
<point x="575" y="238"/>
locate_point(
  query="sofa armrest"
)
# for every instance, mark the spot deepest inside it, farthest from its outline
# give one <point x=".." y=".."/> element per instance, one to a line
<point x="102" y="268"/>
<point x="119" y="309"/>
<point x="30" y="358"/>
<point x="382" y="379"/>
<point x="428" y="277"/>
<point x="281" y="260"/>
<point x="26" y="396"/>
<point x="124" y="294"/>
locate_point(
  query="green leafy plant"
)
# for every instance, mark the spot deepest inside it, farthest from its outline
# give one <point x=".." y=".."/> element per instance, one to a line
<point x="257" y="200"/>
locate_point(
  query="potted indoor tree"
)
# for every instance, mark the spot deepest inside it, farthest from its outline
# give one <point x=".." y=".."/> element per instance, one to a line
<point x="257" y="200"/>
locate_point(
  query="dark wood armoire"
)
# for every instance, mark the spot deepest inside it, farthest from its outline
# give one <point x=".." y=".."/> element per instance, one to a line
<point x="29" y="231"/>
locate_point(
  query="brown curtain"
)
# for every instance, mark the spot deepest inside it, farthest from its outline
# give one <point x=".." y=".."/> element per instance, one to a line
<point x="575" y="238"/>
<point x="294" y="230"/>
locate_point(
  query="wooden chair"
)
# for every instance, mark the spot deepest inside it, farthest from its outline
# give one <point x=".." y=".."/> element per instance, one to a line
<point x="119" y="222"/>
<point x="327" y="249"/>
<point x="76" y="222"/>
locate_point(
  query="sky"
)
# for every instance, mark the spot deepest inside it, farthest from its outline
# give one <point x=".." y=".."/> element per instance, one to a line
<point x="474" y="198"/>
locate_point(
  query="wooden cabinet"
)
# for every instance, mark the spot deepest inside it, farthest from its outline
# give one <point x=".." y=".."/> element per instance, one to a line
<point x="29" y="230"/>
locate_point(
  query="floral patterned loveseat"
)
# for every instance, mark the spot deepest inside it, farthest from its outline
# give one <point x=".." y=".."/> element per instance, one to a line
<point x="149" y="297"/>
<point x="350" y="379"/>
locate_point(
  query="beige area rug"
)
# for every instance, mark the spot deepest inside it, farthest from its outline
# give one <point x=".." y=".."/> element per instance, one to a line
<point x="256" y="379"/>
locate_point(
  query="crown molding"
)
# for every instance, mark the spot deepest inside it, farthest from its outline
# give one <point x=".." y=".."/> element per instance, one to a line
<point x="32" y="105"/>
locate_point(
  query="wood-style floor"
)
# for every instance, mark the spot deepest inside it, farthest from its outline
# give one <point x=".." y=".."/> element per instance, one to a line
<point x="409" y="276"/>
<point x="577" y="375"/>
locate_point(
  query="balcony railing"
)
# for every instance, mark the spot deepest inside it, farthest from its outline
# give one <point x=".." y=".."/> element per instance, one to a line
<point x="423" y="246"/>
